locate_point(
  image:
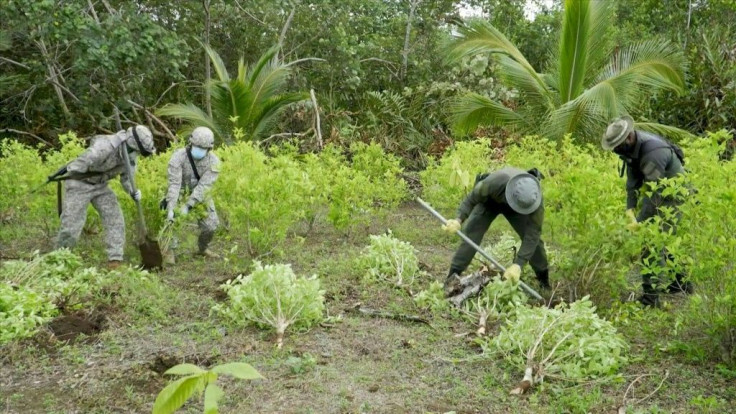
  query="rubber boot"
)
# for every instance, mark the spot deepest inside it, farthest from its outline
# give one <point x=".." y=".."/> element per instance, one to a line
<point x="169" y="257"/>
<point x="208" y="254"/>
<point x="650" y="297"/>
<point x="452" y="283"/>
<point x="114" y="264"/>
<point x="543" y="278"/>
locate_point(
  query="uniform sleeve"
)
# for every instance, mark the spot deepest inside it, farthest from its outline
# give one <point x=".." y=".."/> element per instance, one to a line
<point x="174" y="174"/>
<point x="633" y="184"/>
<point x="480" y="194"/>
<point x="532" y="234"/>
<point x="97" y="152"/>
<point x="205" y="183"/>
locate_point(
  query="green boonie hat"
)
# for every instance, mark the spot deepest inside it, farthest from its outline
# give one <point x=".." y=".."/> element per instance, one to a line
<point x="617" y="132"/>
<point x="523" y="193"/>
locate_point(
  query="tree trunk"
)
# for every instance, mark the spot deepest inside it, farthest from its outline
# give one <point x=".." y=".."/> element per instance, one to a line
<point x="405" y="52"/>
<point x="53" y="76"/>
<point x="687" y="28"/>
<point x="207" y="63"/>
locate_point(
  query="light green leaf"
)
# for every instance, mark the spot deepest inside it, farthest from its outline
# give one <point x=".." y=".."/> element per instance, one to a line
<point x="175" y="394"/>
<point x="212" y="394"/>
<point x="185" y="369"/>
<point x="239" y="370"/>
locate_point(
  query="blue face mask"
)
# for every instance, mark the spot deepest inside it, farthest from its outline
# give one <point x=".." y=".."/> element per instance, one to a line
<point x="198" y="153"/>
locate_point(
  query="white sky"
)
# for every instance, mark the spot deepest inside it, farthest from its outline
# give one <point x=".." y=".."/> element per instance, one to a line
<point x="530" y="12"/>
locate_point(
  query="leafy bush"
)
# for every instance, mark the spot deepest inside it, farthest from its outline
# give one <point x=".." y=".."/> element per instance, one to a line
<point x="391" y="260"/>
<point x="22" y="311"/>
<point x="445" y="182"/>
<point x="57" y="276"/>
<point x="260" y="197"/>
<point x="274" y="297"/>
<point x="569" y="343"/>
<point x="433" y="298"/>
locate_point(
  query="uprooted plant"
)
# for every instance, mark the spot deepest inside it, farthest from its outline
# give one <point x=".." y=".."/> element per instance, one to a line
<point x="200" y="381"/>
<point x="390" y="260"/>
<point x="569" y="343"/>
<point x="274" y="297"/>
<point x="499" y="298"/>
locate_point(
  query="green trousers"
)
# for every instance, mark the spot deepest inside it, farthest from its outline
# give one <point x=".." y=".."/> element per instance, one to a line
<point x="476" y="226"/>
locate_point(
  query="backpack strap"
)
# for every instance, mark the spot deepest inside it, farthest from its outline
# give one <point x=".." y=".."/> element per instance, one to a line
<point x="191" y="162"/>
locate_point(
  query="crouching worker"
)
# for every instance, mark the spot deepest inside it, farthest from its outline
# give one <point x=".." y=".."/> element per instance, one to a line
<point x="195" y="168"/>
<point x="517" y="195"/>
<point x="100" y="163"/>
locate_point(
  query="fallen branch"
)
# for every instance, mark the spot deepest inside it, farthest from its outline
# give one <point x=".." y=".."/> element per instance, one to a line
<point x="388" y="315"/>
<point x="15" y="131"/>
<point x="153" y="117"/>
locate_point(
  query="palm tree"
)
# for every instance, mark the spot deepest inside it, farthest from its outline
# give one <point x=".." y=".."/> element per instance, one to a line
<point x="250" y="102"/>
<point x="583" y="88"/>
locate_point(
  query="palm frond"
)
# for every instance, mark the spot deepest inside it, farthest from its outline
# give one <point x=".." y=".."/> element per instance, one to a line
<point x="584" y="117"/>
<point x="264" y="60"/>
<point x="479" y="37"/>
<point x="669" y="132"/>
<point x="191" y="114"/>
<point x="649" y="64"/>
<point x="268" y="83"/>
<point x="513" y="75"/>
<point x="272" y="108"/>
<point x="218" y="64"/>
<point x="574" y="48"/>
<point x="473" y="110"/>
<point x="599" y="42"/>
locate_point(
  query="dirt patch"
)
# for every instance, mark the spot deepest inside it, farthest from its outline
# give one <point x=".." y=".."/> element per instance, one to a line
<point x="162" y="362"/>
<point x="70" y="327"/>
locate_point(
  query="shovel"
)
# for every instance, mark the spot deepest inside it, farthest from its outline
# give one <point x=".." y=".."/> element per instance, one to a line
<point x="472" y="244"/>
<point x="150" y="250"/>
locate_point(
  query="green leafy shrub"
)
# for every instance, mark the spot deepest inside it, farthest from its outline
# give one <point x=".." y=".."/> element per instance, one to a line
<point x="22" y="311"/>
<point x="198" y="380"/>
<point x="58" y="277"/>
<point x="391" y="260"/>
<point x="258" y="196"/>
<point x="569" y="342"/>
<point x="445" y="182"/>
<point x="433" y="298"/>
<point x="272" y="296"/>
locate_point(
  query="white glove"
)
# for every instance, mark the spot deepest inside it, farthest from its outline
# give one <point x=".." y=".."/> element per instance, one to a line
<point x="170" y="215"/>
<point x="184" y="210"/>
<point x="512" y="273"/>
<point x="136" y="196"/>
<point x="452" y="226"/>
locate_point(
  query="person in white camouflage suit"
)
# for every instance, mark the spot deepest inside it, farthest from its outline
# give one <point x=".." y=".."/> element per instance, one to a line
<point x="195" y="168"/>
<point x="100" y="163"/>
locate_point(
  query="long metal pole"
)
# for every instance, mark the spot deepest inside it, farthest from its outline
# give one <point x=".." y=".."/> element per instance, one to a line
<point x="472" y="244"/>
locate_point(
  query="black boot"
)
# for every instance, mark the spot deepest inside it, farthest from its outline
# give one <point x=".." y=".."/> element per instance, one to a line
<point x="650" y="298"/>
<point x="543" y="278"/>
<point x="680" y="285"/>
<point x="452" y="283"/>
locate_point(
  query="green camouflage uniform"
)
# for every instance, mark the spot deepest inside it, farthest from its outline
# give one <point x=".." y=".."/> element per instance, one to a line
<point x="650" y="160"/>
<point x="482" y="206"/>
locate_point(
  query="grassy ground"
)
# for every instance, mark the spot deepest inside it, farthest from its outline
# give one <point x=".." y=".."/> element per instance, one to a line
<point x="353" y="364"/>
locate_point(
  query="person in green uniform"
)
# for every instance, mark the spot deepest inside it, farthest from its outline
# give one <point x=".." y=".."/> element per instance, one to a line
<point x="517" y="195"/>
<point x="648" y="158"/>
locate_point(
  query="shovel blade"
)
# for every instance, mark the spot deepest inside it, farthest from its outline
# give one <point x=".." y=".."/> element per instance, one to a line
<point x="150" y="254"/>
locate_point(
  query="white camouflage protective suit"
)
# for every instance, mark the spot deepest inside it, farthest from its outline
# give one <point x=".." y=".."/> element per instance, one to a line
<point x="103" y="156"/>
<point x="180" y="174"/>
